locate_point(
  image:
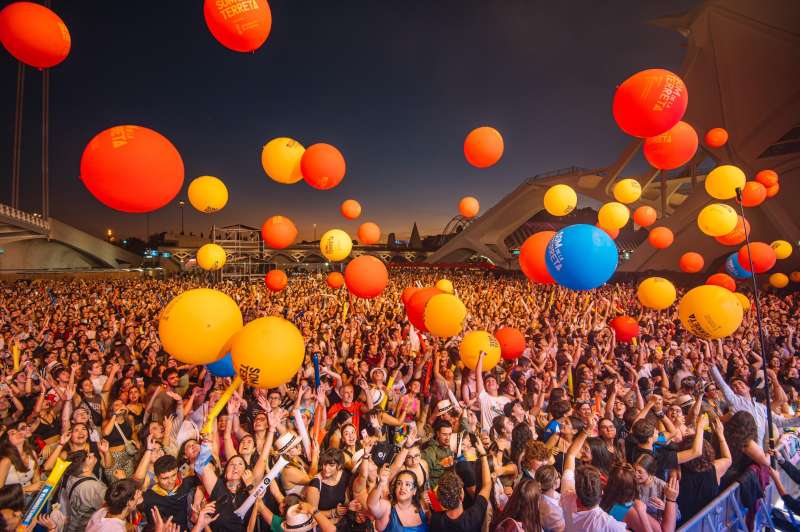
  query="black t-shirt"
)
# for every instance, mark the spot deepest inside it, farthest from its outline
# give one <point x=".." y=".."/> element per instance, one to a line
<point x="331" y="496"/>
<point x="176" y="505"/>
<point x="227" y="503"/>
<point x="666" y="458"/>
<point x="469" y="474"/>
<point x="471" y="520"/>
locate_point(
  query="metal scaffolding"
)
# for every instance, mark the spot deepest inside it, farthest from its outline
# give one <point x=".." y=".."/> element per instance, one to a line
<point x="244" y="250"/>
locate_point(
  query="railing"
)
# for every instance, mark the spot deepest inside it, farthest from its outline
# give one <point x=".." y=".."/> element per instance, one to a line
<point x="24" y="217"/>
<point x="568" y="171"/>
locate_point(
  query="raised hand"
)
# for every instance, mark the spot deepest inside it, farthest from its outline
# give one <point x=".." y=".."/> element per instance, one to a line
<point x="102" y="446"/>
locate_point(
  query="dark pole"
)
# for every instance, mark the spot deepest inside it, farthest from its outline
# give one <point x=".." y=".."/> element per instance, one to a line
<point x="180" y="207"/>
<point x="764" y="353"/>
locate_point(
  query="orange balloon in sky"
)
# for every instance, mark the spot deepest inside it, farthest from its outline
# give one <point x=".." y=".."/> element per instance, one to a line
<point x="650" y="102"/>
<point x="350" y="209"/>
<point x="691" y="262"/>
<point x="323" y="166"/>
<point x="408" y="292"/>
<point x="335" y="280"/>
<point x="276" y="280"/>
<point x="660" y="237"/>
<point x="369" y="233"/>
<point x="672" y="149"/>
<point x="768" y="178"/>
<point x="469" y="207"/>
<point x="645" y="216"/>
<point x="753" y="194"/>
<point x="483" y="147"/>
<point x="736" y="236"/>
<point x="716" y="137"/>
<point x="240" y="25"/>
<point x="34" y="35"/>
<point x="278" y="232"/>
<point x="773" y="190"/>
<point x="366" y="276"/>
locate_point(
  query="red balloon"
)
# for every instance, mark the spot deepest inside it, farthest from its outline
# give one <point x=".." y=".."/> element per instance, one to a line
<point x="768" y="178"/>
<point x="350" y="209"/>
<point x="240" y="25"/>
<point x="625" y="328"/>
<point x="276" y="280"/>
<point x="512" y="342"/>
<point x="278" y="232"/>
<point x="369" y="233"/>
<point x="335" y="280"/>
<point x="132" y="169"/>
<point x="716" y="137"/>
<point x="408" y="292"/>
<point x="415" y="309"/>
<point x="531" y="257"/>
<point x="773" y="190"/>
<point x="34" y="34"/>
<point x="753" y="194"/>
<point x="323" y="166"/>
<point x="650" y="102"/>
<point x="672" y="149"/>
<point x="724" y="280"/>
<point x="645" y="216"/>
<point x="737" y="235"/>
<point x="613" y="233"/>
<point x="660" y="237"/>
<point x="691" y="262"/>
<point x="762" y="254"/>
<point x="366" y="276"/>
<point x="483" y="147"/>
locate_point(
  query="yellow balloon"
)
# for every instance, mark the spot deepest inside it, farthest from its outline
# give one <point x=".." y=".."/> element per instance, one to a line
<point x="444" y="285"/>
<point x="710" y="311"/>
<point x="722" y="181"/>
<point x="613" y="215"/>
<point x="471" y="346"/>
<point x="656" y="293"/>
<point x="268" y="352"/>
<point x="744" y="300"/>
<point x="280" y="159"/>
<point x="335" y="245"/>
<point x="196" y="326"/>
<point x="778" y="280"/>
<point x="208" y="194"/>
<point x="211" y="257"/>
<point x="795" y="277"/>
<point x="782" y="248"/>
<point x="717" y="219"/>
<point x="627" y="191"/>
<point x="445" y="315"/>
<point x="560" y="200"/>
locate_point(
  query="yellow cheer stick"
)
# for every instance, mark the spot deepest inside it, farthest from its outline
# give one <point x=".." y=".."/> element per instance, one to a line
<point x="15" y="355"/>
<point x="44" y="494"/>
<point x="220" y="404"/>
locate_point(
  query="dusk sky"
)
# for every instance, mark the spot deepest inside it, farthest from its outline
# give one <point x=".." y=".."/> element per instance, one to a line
<point x="396" y="86"/>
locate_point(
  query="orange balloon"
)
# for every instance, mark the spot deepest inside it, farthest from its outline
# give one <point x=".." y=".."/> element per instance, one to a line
<point x="132" y="169"/>
<point x="660" y="237"/>
<point x="408" y="292"/>
<point x="366" y="276"/>
<point x="650" y="102"/>
<point x="512" y="342"/>
<point x="350" y="209"/>
<point x="613" y="233"/>
<point x="483" y="147"/>
<point x="737" y="236"/>
<point x="753" y="194"/>
<point x="335" y="280"/>
<point x="34" y="35"/>
<point x="773" y="190"/>
<point x="240" y="25"/>
<point x="672" y="149"/>
<point x="645" y="216"/>
<point x="415" y="309"/>
<point x="532" y="257"/>
<point x="276" y="280"/>
<point x="716" y="137"/>
<point x="323" y="166"/>
<point x="469" y="207"/>
<point x="724" y="280"/>
<point x="369" y="233"/>
<point x="278" y="232"/>
<point x="763" y="256"/>
<point x="691" y="262"/>
<point x="768" y="178"/>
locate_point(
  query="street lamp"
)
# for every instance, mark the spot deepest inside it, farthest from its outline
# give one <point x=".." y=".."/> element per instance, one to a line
<point x="180" y="209"/>
<point x="315" y="232"/>
<point x="109" y="235"/>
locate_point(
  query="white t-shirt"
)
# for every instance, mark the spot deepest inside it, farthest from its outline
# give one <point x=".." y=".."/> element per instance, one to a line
<point x="595" y="519"/>
<point x="100" y="523"/>
<point x="491" y="407"/>
<point x="98" y="382"/>
<point x="550" y="513"/>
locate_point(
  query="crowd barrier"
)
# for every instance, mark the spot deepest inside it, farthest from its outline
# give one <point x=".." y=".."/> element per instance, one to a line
<point x="727" y="513"/>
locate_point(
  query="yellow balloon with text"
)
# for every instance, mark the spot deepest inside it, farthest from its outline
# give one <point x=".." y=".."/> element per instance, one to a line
<point x="444" y="285"/>
<point x="207" y="194"/>
<point x="656" y="293"/>
<point x="721" y="183"/>
<point x="268" y="352"/>
<point x="613" y="215"/>
<point x="710" y="311"/>
<point x="783" y="249"/>
<point x="744" y="300"/>
<point x="717" y="219"/>
<point x="778" y="280"/>
<point x="627" y="191"/>
<point x="475" y="342"/>
<point x="335" y="245"/>
<point x="211" y="257"/>
<point x="445" y="315"/>
<point x="197" y="325"/>
<point x="560" y="200"/>
<point x="280" y="159"/>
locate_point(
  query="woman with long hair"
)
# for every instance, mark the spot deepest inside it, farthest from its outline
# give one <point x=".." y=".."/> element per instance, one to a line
<point x="620" y="501"/>
<point x="402" y="511"/>
<point x="18" y="461"/>
<point x="522" y="507"/>
<point x="700" y="477"/>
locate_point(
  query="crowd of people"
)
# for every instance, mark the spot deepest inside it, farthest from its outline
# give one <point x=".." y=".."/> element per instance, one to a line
<point x="581" y="432"/>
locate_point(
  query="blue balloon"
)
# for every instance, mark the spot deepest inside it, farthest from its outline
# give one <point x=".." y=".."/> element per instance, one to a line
<point x="222" y="367"/>
<point x="733" y="267"/>
<point x="581" y="257"/>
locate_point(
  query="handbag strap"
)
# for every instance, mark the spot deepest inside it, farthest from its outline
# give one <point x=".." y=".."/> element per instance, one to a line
<point x="124" y="438"/>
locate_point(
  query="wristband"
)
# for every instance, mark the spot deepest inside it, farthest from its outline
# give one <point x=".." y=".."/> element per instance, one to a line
<point x="672" y="500"/>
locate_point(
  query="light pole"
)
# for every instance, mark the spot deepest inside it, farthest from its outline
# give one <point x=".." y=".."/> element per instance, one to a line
<point x="180" y="210"/>
<point x="315" y="232"/>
